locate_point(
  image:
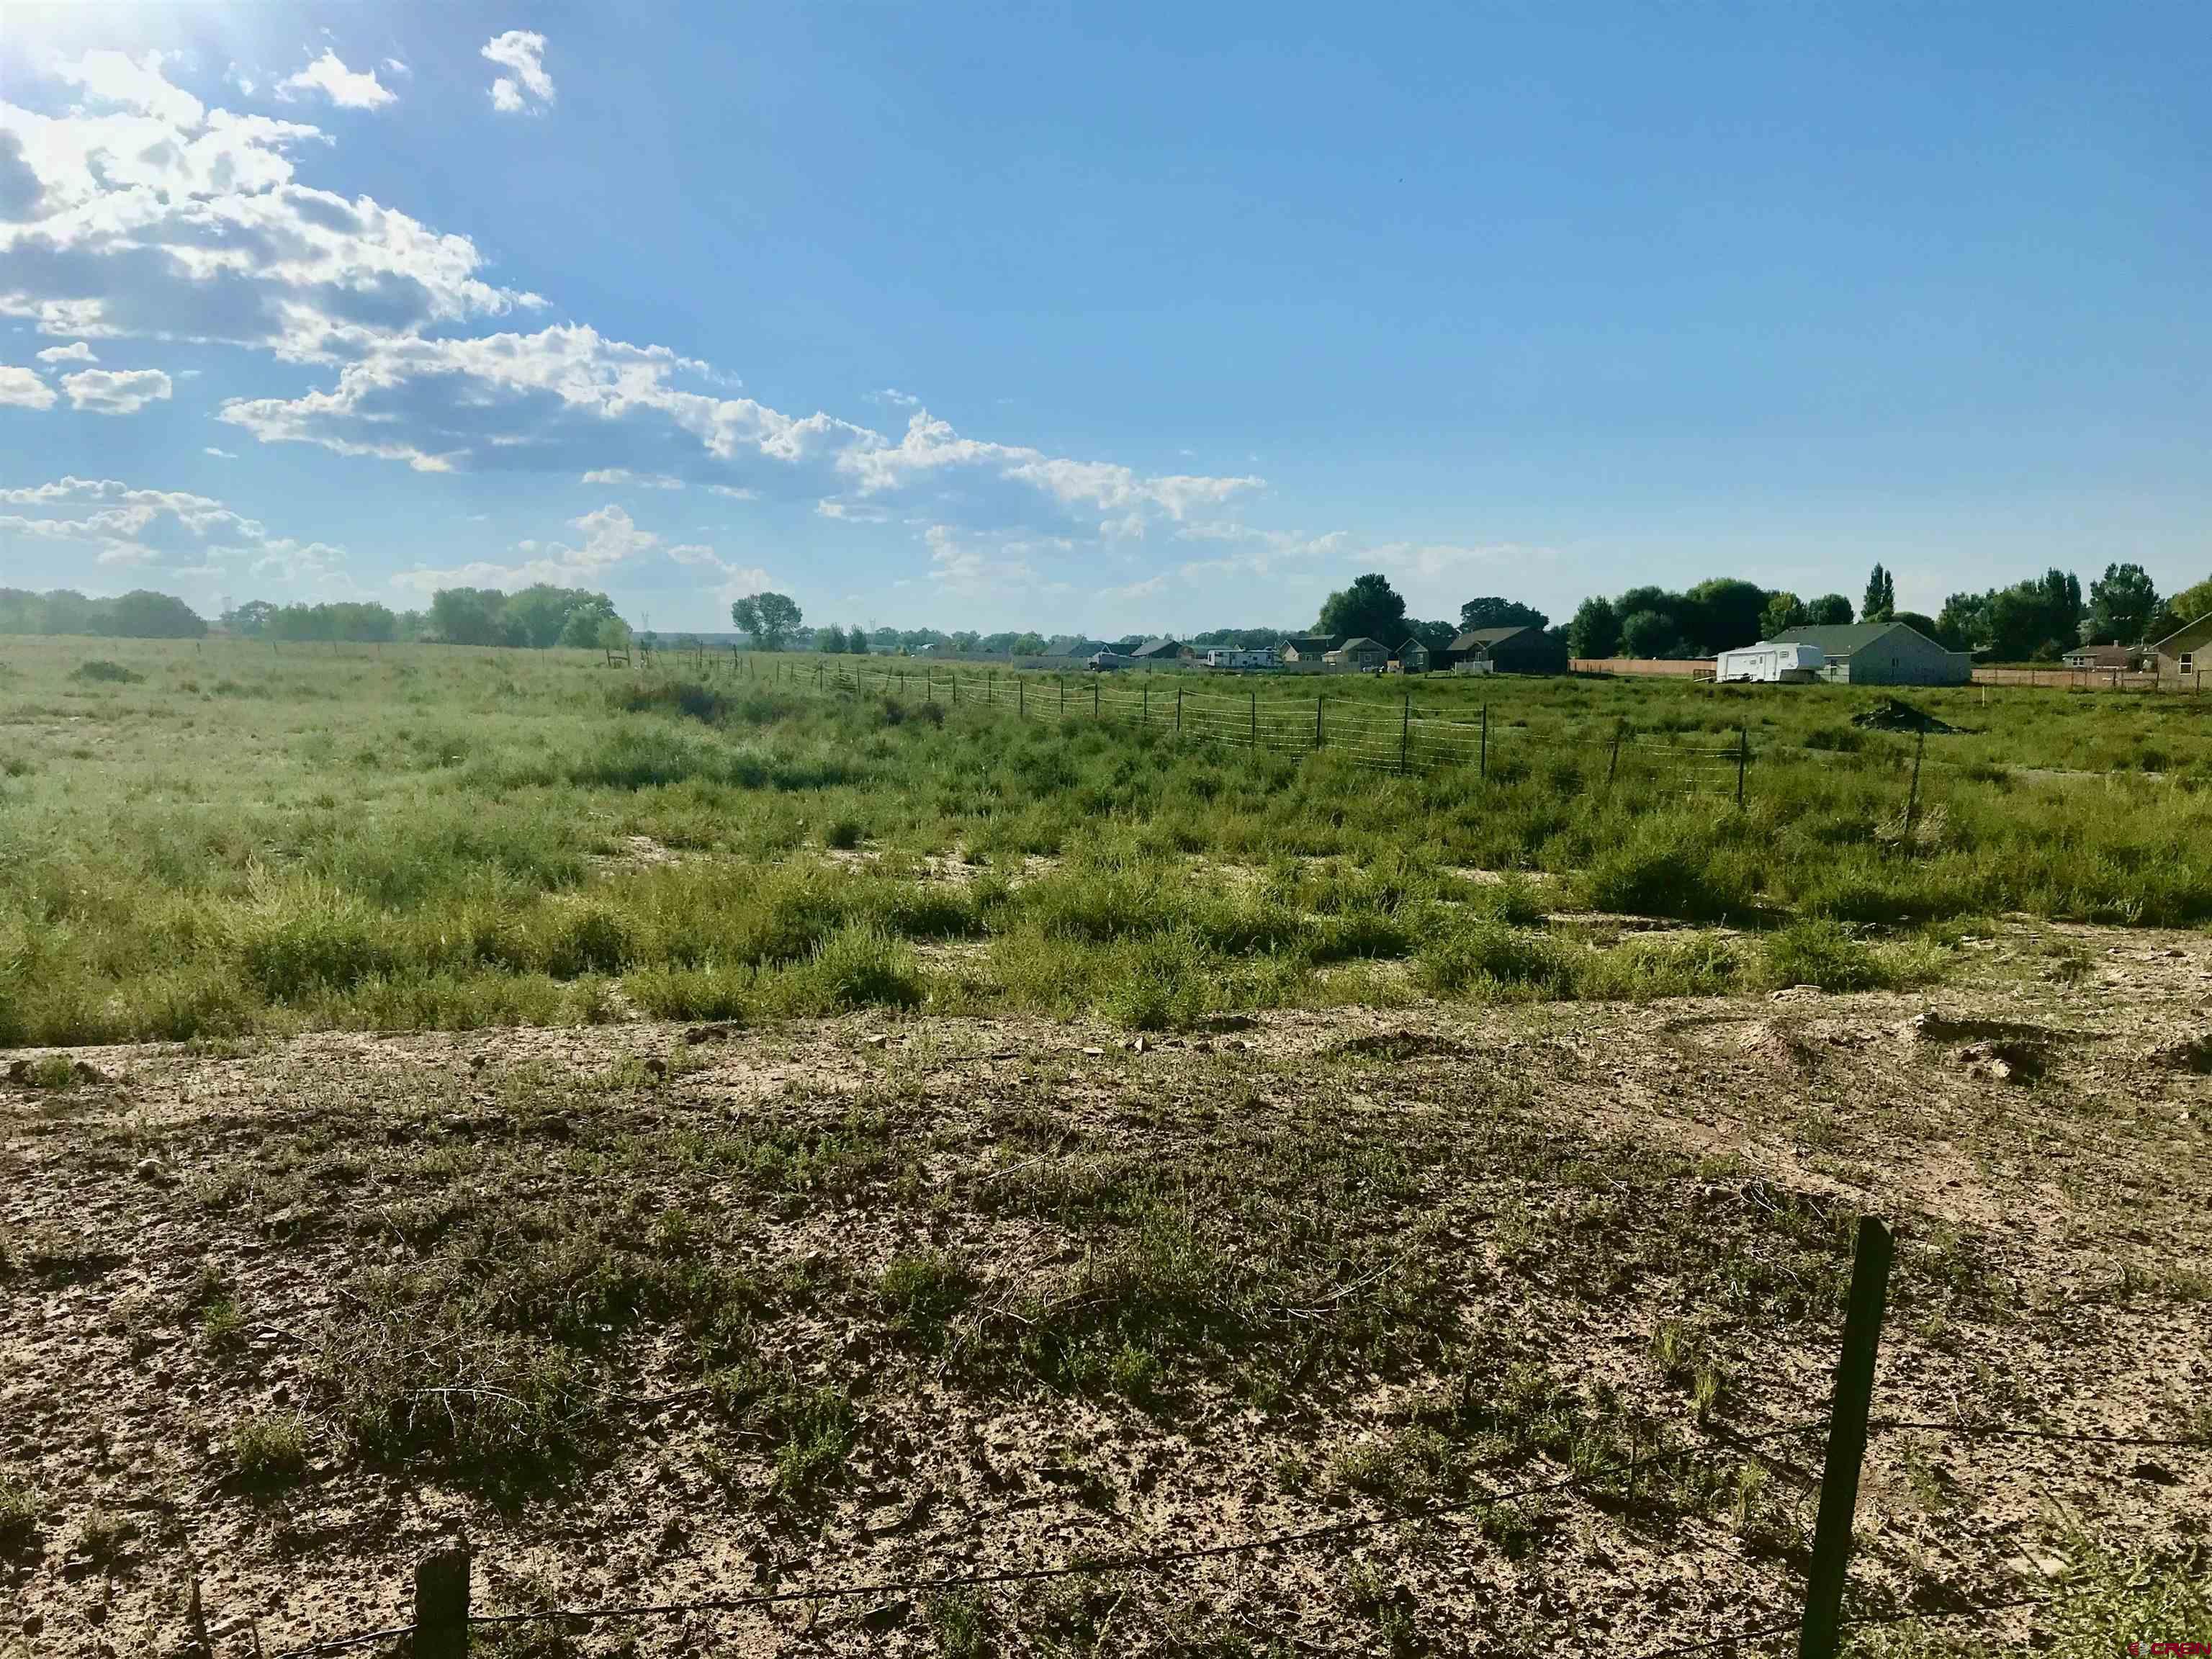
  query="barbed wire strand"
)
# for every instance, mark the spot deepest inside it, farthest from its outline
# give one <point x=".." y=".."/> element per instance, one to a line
<point x="1127" y="1561"/>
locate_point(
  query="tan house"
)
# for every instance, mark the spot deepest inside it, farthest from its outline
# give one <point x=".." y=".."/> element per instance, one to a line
<point x="1414" y="658"/>
<point x="1367" y="656"/>
<point x="2186" y="652"/>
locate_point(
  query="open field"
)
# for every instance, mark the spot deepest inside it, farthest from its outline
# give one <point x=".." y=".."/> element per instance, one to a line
<point x="656" y="1313"/>
<point x="977" y="1140"/>
<point x="232" y="841"/>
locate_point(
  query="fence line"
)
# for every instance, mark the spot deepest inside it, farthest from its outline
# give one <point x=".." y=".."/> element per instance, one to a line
<point x="442" y="1618"/>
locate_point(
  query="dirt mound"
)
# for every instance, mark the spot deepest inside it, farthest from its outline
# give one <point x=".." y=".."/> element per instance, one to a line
<point x="1892" y="714"/>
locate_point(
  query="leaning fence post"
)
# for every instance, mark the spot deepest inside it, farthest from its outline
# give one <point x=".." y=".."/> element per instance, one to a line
<point x="1912" y="799"/>
<point x="441" y="1605"/>
<point x="1822" y="1629"/>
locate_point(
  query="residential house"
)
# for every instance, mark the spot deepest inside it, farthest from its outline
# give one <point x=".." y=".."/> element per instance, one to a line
<point x="1154" y="653"/>
<point x="1361" y="654"/>
<point x="2105" y="657"/>
<point x="1308" y="648"/>
<point x="2186" y="652"/>
<point x="1512" y="650"/>
<point x="1880" y="653"/>
<point x="1413" y="657"/>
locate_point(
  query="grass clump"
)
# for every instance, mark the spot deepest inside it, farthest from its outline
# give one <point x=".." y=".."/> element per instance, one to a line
<point x="921" y="1294"/>
<point x="100" y="671"/>
<point x="21" y="1515"/>
<point x="1822" y="954"/>
<point x="271" y="1450"/>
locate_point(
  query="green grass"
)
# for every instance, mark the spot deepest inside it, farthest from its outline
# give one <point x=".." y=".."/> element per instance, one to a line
<point x="434" y="837"/>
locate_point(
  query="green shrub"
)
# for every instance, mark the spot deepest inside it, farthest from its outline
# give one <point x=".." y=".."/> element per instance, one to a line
<point x="1478" y="957"/>
<point x="1820" y="953"/>
<point x="99" y="670"/>
<point x="270" y="1449"/>
<point x="858" y="966"/>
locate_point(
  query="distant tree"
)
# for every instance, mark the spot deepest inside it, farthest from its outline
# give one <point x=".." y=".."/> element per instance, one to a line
<point x="856" y="640"/>
<point x="469" y="615"/>
<point x="1881" y="596"/>
<point x="1595" y="630"/>
<point x="1127" y="643"/>
<point x="769" y="618"/>
<point x="1722" y="613"/>
<point x="2122" y="604"/>
<point x="1917" y="621"/>
<point x="964" y="642"/>
<point x="1784" y="612"/>
<point x="1439" y="635"/>
<point x="613" y="633"/>
<point x="1649" y="634"/>
<point x="1829" y="610"/>
<point x="2031" y="620"/>
<point x="1370" y="606"/>
<point x="1493" y="613"/>
<point x="579" y="629"/>
<point x="829" y="639"/>
<point x="141" y="615"/>
<point x="1028" y="645"/>
<point x="1963" y="624"/>
<point x="885" y="643"/>
<point x="248" y="620"/>
<point x="2190" y="603"/>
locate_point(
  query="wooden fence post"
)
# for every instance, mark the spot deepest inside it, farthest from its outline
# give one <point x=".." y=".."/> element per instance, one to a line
<point x="1742" y="760"/>
<point x="1819" y="1634"/>
<point x="1178" y="711"/>
<point x="1255" y="722"/>
<point x="441" y="1605"/>
<point x="1483" y="771"/>
<point x="1405" y="732"/>
<point x="1318" y="721"/>
<point x="1145" y="703"/>
<point x="1021" y="698"/>
<point x="1094" y="699"/>
<point x="1613" y="762"/>
<point x="1063" y="700"/>
<point x="1912" y="800"/>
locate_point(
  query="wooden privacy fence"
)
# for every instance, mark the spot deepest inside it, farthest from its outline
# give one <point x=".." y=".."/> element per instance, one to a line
<point x="443" y="1618"/>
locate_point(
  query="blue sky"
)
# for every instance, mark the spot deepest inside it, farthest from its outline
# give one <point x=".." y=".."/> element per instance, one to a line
<point x="1138" y="318"/>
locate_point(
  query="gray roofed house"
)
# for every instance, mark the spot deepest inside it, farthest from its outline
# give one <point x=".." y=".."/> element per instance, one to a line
<point x="1880" y="653"/>
<point x="1520" y="650"/>
<point x="1157" y="651"/>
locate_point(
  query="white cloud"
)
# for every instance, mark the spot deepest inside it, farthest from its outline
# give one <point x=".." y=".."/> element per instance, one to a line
<point x="115" y="78"/>
<point x="21" y="388"/>
<point x="153" y="216"/>
<point x="623" y="475"/>
<point x="347" y="88"/>
<point x="530" y="86"/>
<point x="160" y="530"/>
<point x="892" y="395"/>
<point x="610" y="538"/>
<point x="75" y="352"/>
<point x="115" y="391"/>
<point x="220" y="454"/>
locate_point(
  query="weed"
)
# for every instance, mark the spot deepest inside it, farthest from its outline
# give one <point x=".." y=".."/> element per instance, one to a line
<point x="100" y="670"/>
<point x="271" y="1450"/>
<point x="21" y="1512"/>
<point x="921" y="1294"/>
<point x="961" y="1624"/>
<point x="103" y="1535"/>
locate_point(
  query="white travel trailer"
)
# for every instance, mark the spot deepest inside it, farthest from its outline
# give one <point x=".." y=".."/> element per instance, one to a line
<point x="1769" y="663"/>
<point x="1242" y="662"/>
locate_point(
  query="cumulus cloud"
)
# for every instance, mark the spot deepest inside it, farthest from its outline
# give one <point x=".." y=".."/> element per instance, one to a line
<point x="347" y="88"/>
<point x="145" y="213"/>
<point x="115" y="391"/>
<point x="220" y="454"/>
<point x="623" y="475"/>
<point x="75" y="352"/>
<point x="21" y="388"/>
<point x="529" y="87"/>
<point x="168" y="530"/>
<point x="609" y="537"/>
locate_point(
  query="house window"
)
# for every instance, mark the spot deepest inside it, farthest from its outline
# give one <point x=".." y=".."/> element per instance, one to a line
<point x="2185" y="662"/>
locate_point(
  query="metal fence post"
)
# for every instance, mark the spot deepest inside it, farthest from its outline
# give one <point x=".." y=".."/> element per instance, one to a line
<point x="1484" y="770"/>
<point x="1021" y="698"/>
<point x="1178" y="711"/>
<point x="1819" y="1634"/>
<point x="441" y="1605"/>
<point x="1405" y="732"/>
<point x="1317" y="700"/>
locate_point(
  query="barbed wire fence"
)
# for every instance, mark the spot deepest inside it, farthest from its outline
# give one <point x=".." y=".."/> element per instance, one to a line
<point x="443" y="1618"/>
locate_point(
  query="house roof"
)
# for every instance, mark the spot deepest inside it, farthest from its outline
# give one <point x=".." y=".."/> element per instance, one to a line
<point x="1361" y="642"/>
<point x="1157" y="648"/>
<point x="2103" y="656"/>
<point x="1486" y="637"/>
<point x="1841" y="640"/>
<point x="1311" y="642"/>
<point x="1413" y="644"/>
<point x="2195" y="628"/>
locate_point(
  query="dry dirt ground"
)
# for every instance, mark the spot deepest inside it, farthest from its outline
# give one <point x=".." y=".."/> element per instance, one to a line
<point x="653" y="1314"/>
